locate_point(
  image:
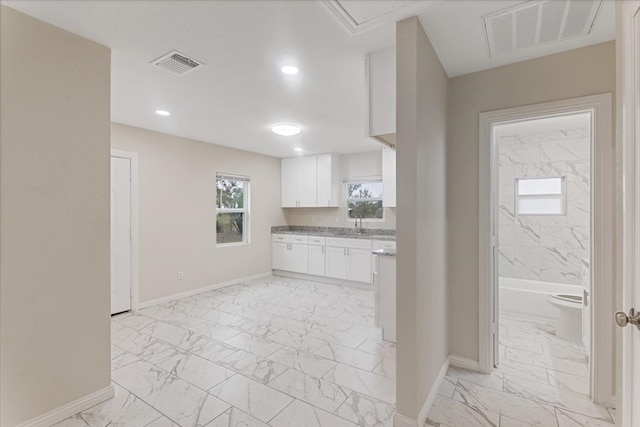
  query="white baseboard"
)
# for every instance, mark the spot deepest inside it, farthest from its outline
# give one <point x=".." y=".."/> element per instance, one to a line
<point x="400" y="420"/>
<point x="464" y="363"/>
<point x="201" y="290"/>
<point x="70" y="409"/>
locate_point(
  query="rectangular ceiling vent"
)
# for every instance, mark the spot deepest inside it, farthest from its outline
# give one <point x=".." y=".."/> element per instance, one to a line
<point x="538" y="22"/>
<point x="176" y="63"/>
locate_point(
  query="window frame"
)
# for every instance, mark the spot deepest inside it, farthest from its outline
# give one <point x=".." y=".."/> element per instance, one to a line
<point x="562" y="195"/>
<point x="246" y="223"/>
<point x="363" y="180"/>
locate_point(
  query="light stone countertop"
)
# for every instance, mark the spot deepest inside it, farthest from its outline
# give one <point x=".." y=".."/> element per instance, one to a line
<point x="341" y="232"/>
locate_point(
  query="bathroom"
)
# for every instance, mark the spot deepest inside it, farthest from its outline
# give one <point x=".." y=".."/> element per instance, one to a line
<point x="544" y="235"/>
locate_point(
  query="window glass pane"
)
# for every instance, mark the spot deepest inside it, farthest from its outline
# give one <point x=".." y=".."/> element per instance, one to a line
<point x="230" y="194"/>
<point x="537" y="186"/>
<point x="364" y="190"/>
<point x="540" y="206"/>
<point x="230" y="228"/>
<point x="365" y="210"/>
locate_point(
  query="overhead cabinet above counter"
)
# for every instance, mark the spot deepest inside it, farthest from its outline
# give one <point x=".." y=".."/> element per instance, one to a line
<point x="311" y="181"/>
<point x="381" y="82"/>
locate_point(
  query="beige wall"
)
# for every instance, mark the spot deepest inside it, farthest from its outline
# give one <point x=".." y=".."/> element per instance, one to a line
<point x="54" y="204"/>
<point x="177" y="211"/>
<point x="571" y="74"/>
<point x="367" y="164"/>
<point x="422" y="335"/>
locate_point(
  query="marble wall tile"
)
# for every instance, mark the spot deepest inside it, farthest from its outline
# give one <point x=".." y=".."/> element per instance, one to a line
<point x="562" y="152"/>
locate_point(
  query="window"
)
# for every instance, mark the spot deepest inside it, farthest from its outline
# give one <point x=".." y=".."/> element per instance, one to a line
<point x="232" y="210"/>
<point x="364" y="199"/>
<point x="540" y="196"/>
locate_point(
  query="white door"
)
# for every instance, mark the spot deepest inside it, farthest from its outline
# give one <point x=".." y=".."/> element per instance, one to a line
<point x="120" y="234"/>
<point x="631" y="234"/>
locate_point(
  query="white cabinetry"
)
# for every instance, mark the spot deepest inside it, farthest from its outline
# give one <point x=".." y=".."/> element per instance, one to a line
<point x="316" y="256"/>
<point x="381" y="79"/>
<point x="290" y="253"/>
<point x="349" y="259"/>
<point x="311" y="181"/>
<point x="388" y="177"/>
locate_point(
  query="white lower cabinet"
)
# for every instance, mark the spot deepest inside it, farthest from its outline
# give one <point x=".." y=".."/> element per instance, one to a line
<point x="290" y="256"/>
<point x="359" y="265"/>
<point x="338" y="258"/>
<point x="316" y="260"/>
<point x="336" y="262"/>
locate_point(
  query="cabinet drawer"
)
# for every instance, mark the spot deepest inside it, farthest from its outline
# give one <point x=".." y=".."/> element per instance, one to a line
<point x="383" y="244"/>
<point x="315" y="240"/>
<point x="348" y="243"/>
<point x="290" y="238"/>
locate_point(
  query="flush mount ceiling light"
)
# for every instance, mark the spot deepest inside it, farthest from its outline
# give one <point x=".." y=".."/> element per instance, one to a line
<point x="298" y="149"/>
<point x="289" y="69"/>
<point x="285" y="129"/>
<point x="163" y="113"/>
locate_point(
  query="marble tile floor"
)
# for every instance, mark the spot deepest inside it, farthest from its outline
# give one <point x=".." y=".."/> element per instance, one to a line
<point x="272" y="352"/>
<point x="542" y="381"/>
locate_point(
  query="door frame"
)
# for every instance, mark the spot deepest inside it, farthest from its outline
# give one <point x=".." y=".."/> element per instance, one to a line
<point x="135" y="243"/>
<point x="602" y="231"/>
<point x="629" y="94"/>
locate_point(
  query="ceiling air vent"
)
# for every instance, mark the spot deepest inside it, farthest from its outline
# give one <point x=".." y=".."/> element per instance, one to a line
<point x="177" y="63"/>
<point x="537" y="23"/>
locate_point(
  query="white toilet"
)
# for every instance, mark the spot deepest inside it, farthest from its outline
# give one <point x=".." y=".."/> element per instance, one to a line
<point x="570" y="321"/>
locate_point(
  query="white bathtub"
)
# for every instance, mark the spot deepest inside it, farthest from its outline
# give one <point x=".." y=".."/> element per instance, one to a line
<point x="530" y="296"/>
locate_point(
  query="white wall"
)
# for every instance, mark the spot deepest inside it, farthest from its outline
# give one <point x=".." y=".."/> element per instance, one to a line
<point x="422" y="333"/>
<point x="54" y="205"/>
<point x="177" y="211"/>
<point x="367" y="164"/>
<point x="547" y="248"/>
<point x="579" y="72"/>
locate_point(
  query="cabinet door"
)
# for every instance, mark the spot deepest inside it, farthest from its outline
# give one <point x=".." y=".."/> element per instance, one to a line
<point x="388" y="178"/>
<point x="316" y="260"/>
<point x="279" y="256"/>
<point x="336" y="262"/>
<point x="299" y="257"/>
<point x="329" y="182"/>
<point x="288" y="182"/>
<point x="306" y="181"/>
<point x="360" y="265"/>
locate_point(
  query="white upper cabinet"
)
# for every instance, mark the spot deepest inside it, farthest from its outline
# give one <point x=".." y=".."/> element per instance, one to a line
<point x="381" y="79"/>
<point x="328" y="184"/>
<point x="311" y="181"/>
<point x="388" y="177"/>
<point x="298" y="182"/>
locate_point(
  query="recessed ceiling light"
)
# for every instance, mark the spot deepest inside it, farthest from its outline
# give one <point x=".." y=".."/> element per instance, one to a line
<point x="285" y="129"/>
<point x="163" y="113"/>
<point x="298" y="149"/>
<point x="289" y="69"/>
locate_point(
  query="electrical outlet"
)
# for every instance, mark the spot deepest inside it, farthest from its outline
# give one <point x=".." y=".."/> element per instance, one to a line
<point x="180" y="275"/>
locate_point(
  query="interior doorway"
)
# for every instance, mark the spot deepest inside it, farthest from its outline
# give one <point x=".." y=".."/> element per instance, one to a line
<point x="543" y="281"/>
<point x="546" y="241"/>
<point x="123" y="232"/>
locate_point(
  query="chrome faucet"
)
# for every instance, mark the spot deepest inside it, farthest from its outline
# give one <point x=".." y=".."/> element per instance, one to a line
<point x="359" y="229"/>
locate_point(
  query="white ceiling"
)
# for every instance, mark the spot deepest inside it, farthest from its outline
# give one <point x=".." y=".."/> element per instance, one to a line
<point x="240" y="93"/>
